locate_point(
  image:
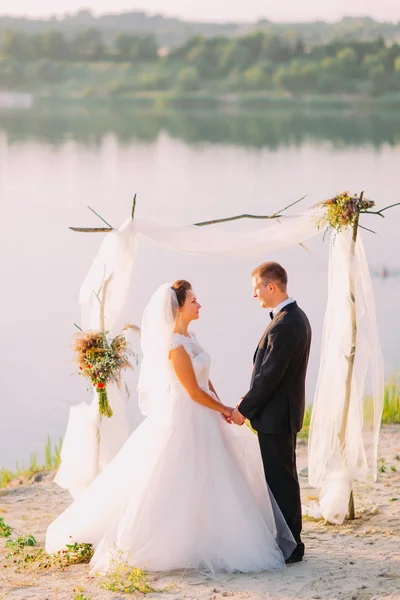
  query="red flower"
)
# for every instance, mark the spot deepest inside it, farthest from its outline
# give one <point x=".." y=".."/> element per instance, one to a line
<point x="89" y="366"/>
<point x="80" y="368"/>
<point x="100" y="385"/>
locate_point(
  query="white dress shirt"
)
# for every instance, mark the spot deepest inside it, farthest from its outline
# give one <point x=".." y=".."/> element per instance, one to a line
<point x="281" y="305"/>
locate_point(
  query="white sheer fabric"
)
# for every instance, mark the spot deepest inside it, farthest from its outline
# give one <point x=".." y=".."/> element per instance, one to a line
<point x="217" y="240"/>
<point x="80" y="450"/>
<point x="113" y="264"/>
<point x="330" y="469"/>
<point x="91" y="442"/>
<point x="187" y="490"/>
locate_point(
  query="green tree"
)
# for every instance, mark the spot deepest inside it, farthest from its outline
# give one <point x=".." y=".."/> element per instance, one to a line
<point x="379" y="79"/>
<point x="297" y="77"/>
<point x="46" y="69"/>
<point x="254" y="78"/>
<point x="370" y="61"/>
<point x="348" y="60"/>
<point x="136" y="47"/>
<point x="182" y="52"/>
<point x="206" y="56"/>
<point x="52" y="44"/>
<point x="188" y="79"/>
<point x="154" y="81"/>
<point x="89" y="44"/>
<point x="235" y="80"/>
<point x="235" y="56"/>
<point x="15" y="44"/>
<point x="11" y="71"/>
<point x="277" y="49"/>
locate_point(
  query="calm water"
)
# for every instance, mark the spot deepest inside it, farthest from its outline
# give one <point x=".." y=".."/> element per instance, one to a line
<point x="185" y="168"/>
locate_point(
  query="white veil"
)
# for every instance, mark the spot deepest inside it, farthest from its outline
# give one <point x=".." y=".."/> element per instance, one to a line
<point x="156" y="336"/>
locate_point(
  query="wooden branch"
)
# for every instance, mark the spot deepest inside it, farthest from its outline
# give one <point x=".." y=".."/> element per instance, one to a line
<point x="236" y="218"/>
<point x="289" y="206"/>
<point x="97" y="294"/>
<point x="366" y="229"/>
<point x="103" y="303"/>
<point x="100" y="217"/>
<point x="276" y="215"/>
<point x="109" y="228"/>
<point x="350" y="360"/>
<point x="379" y="212"/>
<point x="133" y="206"/>
<point x="92" y="229"/>
<point x="390" y="206"/>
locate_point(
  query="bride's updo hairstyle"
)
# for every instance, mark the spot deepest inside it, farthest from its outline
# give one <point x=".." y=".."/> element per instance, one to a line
<point x="181" y="289"/>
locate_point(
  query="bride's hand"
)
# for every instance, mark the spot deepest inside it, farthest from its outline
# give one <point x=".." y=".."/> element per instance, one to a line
<point x="226" y="414"/>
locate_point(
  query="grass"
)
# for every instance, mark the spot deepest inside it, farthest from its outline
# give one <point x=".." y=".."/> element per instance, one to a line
<point x="124" y="578"/>
<point x="51" y="462"/>
<point x="24" y="553"/>
<point x="390" y="414"/>
<point x="306" y="424"/>
<point x="21" y="542"/>
<point x="5" y="530"/>
<point x="391" y="408"/>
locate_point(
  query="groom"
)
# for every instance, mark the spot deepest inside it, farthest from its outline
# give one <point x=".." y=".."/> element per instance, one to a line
<point x="276" y="399"/>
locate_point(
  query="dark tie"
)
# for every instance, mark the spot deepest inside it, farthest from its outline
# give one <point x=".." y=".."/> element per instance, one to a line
<point x="271" y="314"/>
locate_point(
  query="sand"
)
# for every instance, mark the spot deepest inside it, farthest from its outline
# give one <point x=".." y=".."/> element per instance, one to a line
<point x="357" y="561"/>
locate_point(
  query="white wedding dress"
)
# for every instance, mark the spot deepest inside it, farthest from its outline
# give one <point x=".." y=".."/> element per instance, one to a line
<point x="187" y="490"/>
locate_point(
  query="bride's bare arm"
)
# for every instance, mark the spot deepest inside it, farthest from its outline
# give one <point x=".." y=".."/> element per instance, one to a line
<point x="212" y="388"/>
<point x="183" y="368"/>
<point x="214" y="391"/>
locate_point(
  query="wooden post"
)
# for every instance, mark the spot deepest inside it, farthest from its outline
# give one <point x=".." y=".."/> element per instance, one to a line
<point x="350" y="360"/>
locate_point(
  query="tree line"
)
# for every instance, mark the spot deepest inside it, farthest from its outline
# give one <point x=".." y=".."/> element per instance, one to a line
<point x="171" y="32"/>
<point x="256" y="61"/>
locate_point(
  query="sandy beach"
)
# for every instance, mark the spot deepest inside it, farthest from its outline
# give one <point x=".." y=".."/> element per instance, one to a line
<point x="357" y="561"/>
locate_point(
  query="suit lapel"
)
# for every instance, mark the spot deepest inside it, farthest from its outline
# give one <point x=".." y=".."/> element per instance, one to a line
<point x="275" y="320"/>
<point x="264" y="335"/>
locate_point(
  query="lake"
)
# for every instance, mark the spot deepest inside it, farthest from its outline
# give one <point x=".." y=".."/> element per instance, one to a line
<point x="185" y="167"/>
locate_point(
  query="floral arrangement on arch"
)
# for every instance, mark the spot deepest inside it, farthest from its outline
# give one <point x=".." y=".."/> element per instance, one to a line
<point x="343" y="210"/>
<point x="101" y="359"/>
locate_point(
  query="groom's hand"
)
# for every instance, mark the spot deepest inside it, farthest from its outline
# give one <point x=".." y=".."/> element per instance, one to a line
<point x="237" y="417"/>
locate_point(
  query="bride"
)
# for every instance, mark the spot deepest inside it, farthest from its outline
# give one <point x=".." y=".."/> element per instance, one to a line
<point x="187" y="490"/>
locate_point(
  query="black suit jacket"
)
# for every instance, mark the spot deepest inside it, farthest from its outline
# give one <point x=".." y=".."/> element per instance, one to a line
<point x="276" y="400"/>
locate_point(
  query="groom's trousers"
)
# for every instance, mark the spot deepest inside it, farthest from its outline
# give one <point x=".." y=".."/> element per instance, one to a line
<point x="278" y="453"/>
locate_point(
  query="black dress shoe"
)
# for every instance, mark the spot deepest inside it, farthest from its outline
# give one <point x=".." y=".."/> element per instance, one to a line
<point x="293" y="559"/>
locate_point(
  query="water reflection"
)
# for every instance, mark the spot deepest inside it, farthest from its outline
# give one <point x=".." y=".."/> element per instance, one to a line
<point x="272" y="129"/>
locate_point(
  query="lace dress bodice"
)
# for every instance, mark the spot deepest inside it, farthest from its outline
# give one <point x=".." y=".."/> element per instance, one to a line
<point x="200" y="359"/>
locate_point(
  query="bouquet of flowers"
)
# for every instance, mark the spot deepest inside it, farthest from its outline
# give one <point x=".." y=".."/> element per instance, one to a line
<point x="342" y="210"/>
<point x="101" y="359"/>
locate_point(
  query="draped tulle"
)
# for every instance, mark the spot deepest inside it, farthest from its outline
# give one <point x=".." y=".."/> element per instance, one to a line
<point x="338" y="457"/>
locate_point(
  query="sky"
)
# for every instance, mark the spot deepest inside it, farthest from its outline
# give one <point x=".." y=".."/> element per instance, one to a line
<point x="217" y="10"/>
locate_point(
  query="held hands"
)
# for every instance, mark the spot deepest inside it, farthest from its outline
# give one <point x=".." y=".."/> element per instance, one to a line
<point x="232" y="415"/>
<point x="237" y="417"/>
